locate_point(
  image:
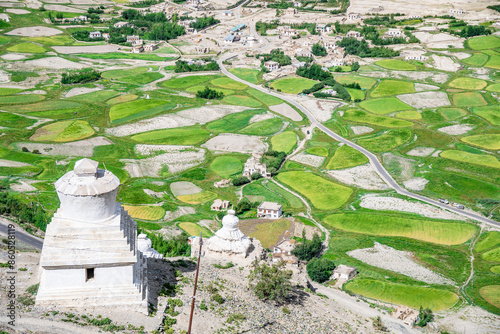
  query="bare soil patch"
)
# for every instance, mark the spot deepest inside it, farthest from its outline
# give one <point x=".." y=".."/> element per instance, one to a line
<point x="363" y="176"/>
<point x="425" y="99"/>
<point x="17" y="11"/>
<point x="55" y="63"/>
<point x="397" y="204"/>
<point x="182" y="118"/>
<point x="322" y="110"/>
<point x="456" y="130"/>
<point x="83" y="148"/>
<point x="424" y="87"/>
<point x="402" y="262"/>
<point x="80" y="90"/>
<point x="13" y="56"/>
<point x="174" y="158"/>
<point x="444" y="63"/>
<point x="236" y="143"/>
<point x="308" y="159"/>
<point x="413" y="75"/>
<point x="416" y="184"/>
<point x="86" y="49"/>
<point x="421" y="151"/>
<point x="4" y="76"/>
<point x="36" y="31"/>
<point x="361" y="130"/>
<point x="10" y="163"/>
<point x="182" y="188"/>
<point x="61" y="8"/>
<point x="261" y="117"/>
<point x="287" y="111"/>
<point x="22" y="186"/>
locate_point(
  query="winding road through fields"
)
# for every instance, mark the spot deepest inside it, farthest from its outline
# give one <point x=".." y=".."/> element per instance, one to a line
<point x="372" y="157"/>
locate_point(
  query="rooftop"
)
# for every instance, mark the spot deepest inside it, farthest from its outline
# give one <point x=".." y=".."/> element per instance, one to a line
<point x="269" y="206"/>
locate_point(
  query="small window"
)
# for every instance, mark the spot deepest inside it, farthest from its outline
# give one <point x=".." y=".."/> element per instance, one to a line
<point x="89" y="274"/>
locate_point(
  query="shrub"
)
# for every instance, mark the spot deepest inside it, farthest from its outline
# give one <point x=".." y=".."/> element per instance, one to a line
<point x="218" y="298"/>
<point x="270" y="282"/>
<point x="184" y="66"/>
<point x="209" y="94"/>
<point x="320" y="270"/>
<point x="203" y="306"/>
<point x="240" y="180"/>
<point x="256" y="176"/>
<point x="425" y="317"/>
<point x="318" y="50"/>
<point x="84" y="76"/>
<point x="24" y="149"/>
<point x="308" y="248"/>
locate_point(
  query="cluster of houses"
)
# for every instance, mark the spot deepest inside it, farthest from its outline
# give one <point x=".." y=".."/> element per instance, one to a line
<point x="138" y="45"/>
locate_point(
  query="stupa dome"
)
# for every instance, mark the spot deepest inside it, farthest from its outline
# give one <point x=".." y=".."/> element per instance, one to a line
<point x="230" y="221"/>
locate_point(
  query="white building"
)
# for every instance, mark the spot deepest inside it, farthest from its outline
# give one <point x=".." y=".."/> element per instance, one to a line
<point x="133" y="39"/>
<point x="269" y="210"/>
<point x="344" y="272"/>
<point x="138" y="49"/>
<point x="456" y="11"/>
<point x="271" y="65"/>
<point x="353" y="16"/>
<point x="353" y="33"/>
<point x="322" y="28"/>
<point x="395" y="32"/>
<point x="219" y="205"/>
<point x="252" y="165"/>
<point x="228" y="13"/>
<point x="121" y="24"/>
<point x="90" y="254"/>
<point x="95" y="34"/>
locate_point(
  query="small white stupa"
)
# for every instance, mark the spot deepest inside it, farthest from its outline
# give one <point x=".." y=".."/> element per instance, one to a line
<point x="229" y="239"/>
<point x="229" y="242"/>
<point x="90" y="255"/>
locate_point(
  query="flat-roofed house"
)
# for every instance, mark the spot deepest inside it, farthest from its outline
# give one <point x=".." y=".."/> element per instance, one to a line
<point x="408" y="315"/>
<point x="133" y="39"/>
<point x="252" y="165"/>
<point x="353" y="16"/>
<point x="121" y="24"/>
<point x="220" y="205"/>
<point x="95" y="34"/>
<point x="137" y="49"/>
<point x="353" y="33"/>
<point x="150" y="47"/>
<point x="269" y="210"/>
<point x="271" y="65"/>
<point x="344" y="272"/>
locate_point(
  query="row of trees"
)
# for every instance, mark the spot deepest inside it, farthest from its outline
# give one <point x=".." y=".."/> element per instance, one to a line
<point x="86" y="75"/>
<point x="360" y="48"/>
<point x="203" y="22"/>
<point x="184" y="66"/>
<point x="276" y="55"/>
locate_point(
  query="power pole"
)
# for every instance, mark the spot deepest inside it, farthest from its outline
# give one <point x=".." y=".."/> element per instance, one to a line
<point x="195" y="285"/>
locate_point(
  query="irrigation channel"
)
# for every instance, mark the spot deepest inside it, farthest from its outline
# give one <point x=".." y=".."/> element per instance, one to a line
<point x="372" y="157"/>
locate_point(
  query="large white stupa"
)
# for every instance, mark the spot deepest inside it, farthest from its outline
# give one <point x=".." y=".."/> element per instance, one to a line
<point x="90" y="254"/>
<point x="229" y="242"/>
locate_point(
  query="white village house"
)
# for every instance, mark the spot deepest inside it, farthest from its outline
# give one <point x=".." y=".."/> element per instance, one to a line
<point x="252" y="165"/>
<point x="95" y="34"/>
<point x="220" y="205"/>
<point x="270" y="210"/>
<point x="344" y="272"/>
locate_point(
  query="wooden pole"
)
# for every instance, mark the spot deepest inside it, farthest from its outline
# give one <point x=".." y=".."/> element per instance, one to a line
<point x="195" y="285"/>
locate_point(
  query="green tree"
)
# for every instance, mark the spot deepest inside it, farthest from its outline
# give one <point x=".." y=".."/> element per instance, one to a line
<point x="308" y="248"/>
<point x="425" y="316"/>
<point x="270" y="283"/>
<point x="318" y="50"/>
<point x="320" y="270"/>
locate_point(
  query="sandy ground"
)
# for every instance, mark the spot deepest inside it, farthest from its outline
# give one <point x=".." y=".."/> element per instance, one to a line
<point x="308" y="159"/>
<point x="10" y="163"/>
<point x="287" y="111"/>
<point x="17" y="11"/>
<point x="83" y="148"/>
<point x="322" y="110"/>
<point x="4" y="76"/>
<point x="13" y="56"/>
<point x="397" y="204"/>
<point x="180" y="211"/>
<point x="4" y="17"/>
<point x="55" y="63"/>
<point x="61" y="8"/>
<point x="86" y="49"/>
<point x="175" y="158"/>
<point x="402" y="262"/>
<point x="236" y="143"/>
<point x="444" y="63"/>
<point x="261" y="117"/>
<point x="425" y="99"/>
<point x="22" y="186"/>
<point x="184" y="188"/>
<point x="37" y="31"/>
<point x="363" y="176"/>
<point x="469" y="319"/>
<point x="439" y="40"/>
<point x="415" y="184"/>
<point x="80" y="90"/>
<point x="361" y="130"/>
<point x="182" y="118"/>
<point x="421" y="151"/>
<point x="424" y="87"/>
<point x="413" y="75"/>
<point x="456" y="130"/>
